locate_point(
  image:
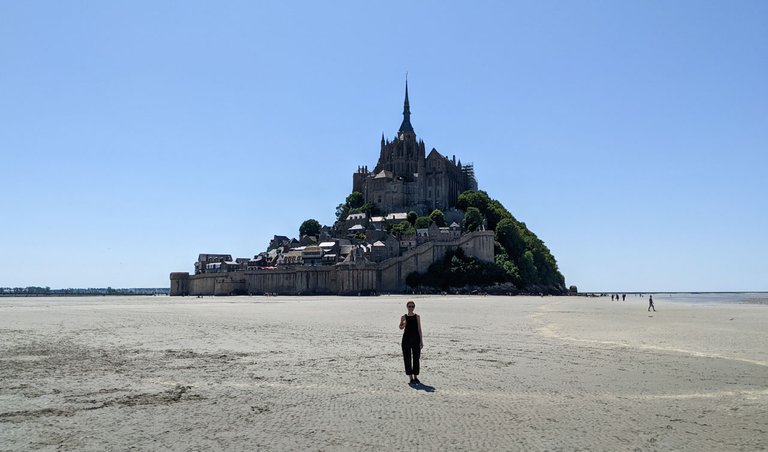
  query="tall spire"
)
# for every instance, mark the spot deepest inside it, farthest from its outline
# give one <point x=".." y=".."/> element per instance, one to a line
<point x="406" y="125"/>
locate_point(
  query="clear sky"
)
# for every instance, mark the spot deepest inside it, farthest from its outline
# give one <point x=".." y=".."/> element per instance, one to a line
<point x="632" y="137"/>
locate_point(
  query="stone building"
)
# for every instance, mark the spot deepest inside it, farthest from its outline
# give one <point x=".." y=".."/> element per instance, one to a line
<point x="211" y="262"/>
<point x="406" y="178"/>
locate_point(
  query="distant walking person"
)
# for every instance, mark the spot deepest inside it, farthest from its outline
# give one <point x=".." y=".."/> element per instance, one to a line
<point x="412" y="342"/>
<point x="650" y="304"/>
<point x="623" y="297"/>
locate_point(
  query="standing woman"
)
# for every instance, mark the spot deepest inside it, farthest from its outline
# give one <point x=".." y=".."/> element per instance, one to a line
<point x="412" y="342"/>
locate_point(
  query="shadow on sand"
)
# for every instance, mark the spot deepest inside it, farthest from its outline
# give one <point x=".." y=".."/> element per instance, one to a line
<point x="422" y="387"/>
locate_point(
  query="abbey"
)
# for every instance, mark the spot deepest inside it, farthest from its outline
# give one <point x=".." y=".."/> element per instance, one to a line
<point x="406" y="179"/>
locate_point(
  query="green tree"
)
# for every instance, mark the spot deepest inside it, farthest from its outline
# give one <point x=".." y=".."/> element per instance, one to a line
<point x="402" y="228"/>
<point x="472" y="219"/>
<point x="492" y="210"/>
<point x="355" y="200"/>
<point x="509" y="235"/>
<point x="494" y="213"/>
<point x="310" y="227"/>
<point x="342" y="210"/>
<point x="528" y="271"/>
<point x="509" y="268"/>
<point x="438" y="217"/>
<point x="367" y="208"/>
<point x="422" y="222"/>
<point x="412" y="216"/>
<point x="546" y="264"/>
<point x="470" y="198"/>
<point x="355" y="203"/>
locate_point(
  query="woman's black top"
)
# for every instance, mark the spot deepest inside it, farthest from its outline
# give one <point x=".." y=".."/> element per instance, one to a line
<point x="411" y="333"/>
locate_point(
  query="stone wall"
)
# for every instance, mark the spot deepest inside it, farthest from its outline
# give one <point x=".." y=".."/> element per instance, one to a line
<point x="297" y="280"/>
<point x="479" y="244"/>
<point x="179" y="283"/>
<point x="217" y="284"/>
<point x="387" y="276"/>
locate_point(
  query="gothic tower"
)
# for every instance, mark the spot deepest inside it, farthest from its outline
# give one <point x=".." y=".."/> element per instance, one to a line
<point x="402" y="157"/>
<point x="405" y="178"/>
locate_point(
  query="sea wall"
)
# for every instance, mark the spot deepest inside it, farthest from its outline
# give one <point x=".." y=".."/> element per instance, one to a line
<point x="300" y="280"/>
<point x="179" y="284"/>
<point x="214" y="284"/>
<point x="342" y="279"/>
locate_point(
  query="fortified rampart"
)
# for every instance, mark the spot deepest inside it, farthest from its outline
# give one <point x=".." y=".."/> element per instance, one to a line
<point x="393" y="271"/>
<point x="341" y="279"/>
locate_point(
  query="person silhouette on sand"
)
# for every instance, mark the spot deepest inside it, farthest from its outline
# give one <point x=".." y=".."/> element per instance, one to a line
<point x="412" y="342"/>
<point x="650" y="304"/>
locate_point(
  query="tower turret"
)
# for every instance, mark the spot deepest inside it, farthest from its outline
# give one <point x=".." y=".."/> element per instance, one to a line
<point x="406" y="126"/>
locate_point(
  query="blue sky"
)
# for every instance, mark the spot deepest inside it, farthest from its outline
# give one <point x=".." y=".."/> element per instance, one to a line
<point x="632" y="137"/>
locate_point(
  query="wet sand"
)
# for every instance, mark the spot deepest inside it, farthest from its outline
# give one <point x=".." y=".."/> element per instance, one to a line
<point x="326" y="373"/>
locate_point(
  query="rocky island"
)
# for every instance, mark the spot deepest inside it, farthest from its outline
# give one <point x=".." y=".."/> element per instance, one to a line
<point x="416" y="222"/>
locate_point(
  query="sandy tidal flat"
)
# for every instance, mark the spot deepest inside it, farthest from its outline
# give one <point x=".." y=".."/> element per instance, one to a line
<point x="326" y="373"/>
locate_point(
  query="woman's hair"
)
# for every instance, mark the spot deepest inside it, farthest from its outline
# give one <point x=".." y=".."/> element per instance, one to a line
<point x="410" y="302"/>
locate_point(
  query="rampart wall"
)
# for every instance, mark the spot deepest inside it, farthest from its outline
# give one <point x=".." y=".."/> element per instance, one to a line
<point x="393" y="271"/>
<point x="387" y="276"/>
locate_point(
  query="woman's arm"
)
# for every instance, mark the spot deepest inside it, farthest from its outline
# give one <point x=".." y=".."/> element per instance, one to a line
<point x="418" y="322"/>
<point x="402" y="322"/>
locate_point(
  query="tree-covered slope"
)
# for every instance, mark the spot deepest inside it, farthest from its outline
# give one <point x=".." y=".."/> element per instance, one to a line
<point x="522" y="259"/>
<point x="525" y="258"/>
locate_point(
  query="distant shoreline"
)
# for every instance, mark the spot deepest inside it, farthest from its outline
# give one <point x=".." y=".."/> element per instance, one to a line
<point x="76" y="295"/>
<point x="89" y="293"/>
<point x="694" y="298"/>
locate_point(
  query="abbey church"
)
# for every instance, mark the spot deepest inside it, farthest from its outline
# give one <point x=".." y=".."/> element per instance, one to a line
<point x="406" y="179"/>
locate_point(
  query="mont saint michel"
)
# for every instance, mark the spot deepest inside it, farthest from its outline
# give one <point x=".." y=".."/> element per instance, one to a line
<point x="415" y="221"/>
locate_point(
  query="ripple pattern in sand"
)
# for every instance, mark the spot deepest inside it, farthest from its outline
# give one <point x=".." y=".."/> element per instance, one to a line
<point x="309" y="376"/>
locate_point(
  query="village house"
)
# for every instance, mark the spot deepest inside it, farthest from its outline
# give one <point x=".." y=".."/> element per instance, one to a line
<point x="312" y="256"/>
<point x="204" y="259"/>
